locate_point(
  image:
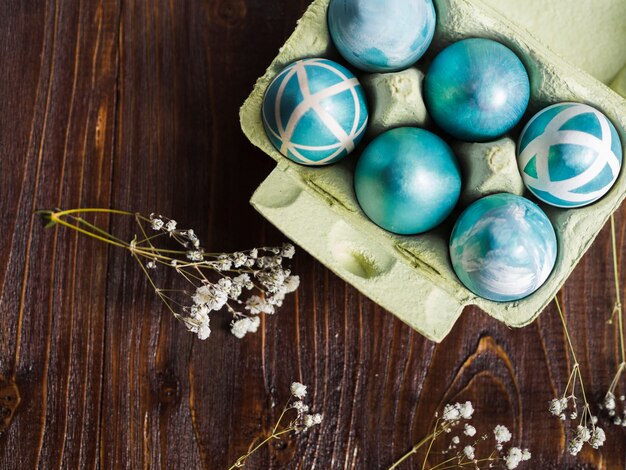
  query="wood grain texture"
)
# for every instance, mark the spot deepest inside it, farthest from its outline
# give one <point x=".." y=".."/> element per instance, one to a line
<point x="133" y="104"/>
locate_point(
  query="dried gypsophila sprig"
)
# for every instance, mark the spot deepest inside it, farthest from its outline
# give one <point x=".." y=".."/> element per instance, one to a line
<point x="301" y="422"/>
<point x="463" y="454"/>
<point x="566" y="406"/>
<point x="216" y="280"/>
<point x="616" y="408"/>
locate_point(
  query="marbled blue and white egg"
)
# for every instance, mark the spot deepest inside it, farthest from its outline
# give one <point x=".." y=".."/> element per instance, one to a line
<point x="503" y="247"/>
<point x="315" y="112"/>
<point x="569" y="155"/>
<point x="381" y="36"/>
<point x="476" y="89"/>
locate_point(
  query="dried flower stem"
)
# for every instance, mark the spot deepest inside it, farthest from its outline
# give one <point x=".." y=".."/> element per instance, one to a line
<point x="431" y="437"/>
<point x="575" y="374"/>
<point x="576" y="367"/>
<point x="454" y="415"/>
<point x="610" y="403"/>
<point x="275" y="435"/>
<point x="464" y="462"/>
<point x="216" y="280"/>
<point x="301" y="422"/>
<point x="617" y="310"/>
<point x="586" y="431"/>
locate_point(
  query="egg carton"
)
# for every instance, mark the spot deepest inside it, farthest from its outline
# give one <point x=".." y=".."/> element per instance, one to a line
<point x="411" y="276"/>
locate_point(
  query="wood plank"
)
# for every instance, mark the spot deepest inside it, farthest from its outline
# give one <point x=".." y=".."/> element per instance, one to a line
<point x="135" y="105"/>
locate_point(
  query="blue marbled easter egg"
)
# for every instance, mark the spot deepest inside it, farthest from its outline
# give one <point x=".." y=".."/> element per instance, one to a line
<point x="315" y="112"/>
<point x="381" y="36"/>
<point x="503" y="247"/>
<point x="569" y="155"/>
<point x="407" y="180"/>
<point x="476" y="89"/>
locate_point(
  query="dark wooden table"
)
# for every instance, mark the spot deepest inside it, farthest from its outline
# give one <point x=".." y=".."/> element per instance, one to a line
<point x="134" y="105"/>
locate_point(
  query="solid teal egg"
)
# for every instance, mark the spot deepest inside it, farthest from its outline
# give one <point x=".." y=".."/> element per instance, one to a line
<point x="503" y="247"/>
<point x="407" y="180"/>
<point x="476" y="89"/>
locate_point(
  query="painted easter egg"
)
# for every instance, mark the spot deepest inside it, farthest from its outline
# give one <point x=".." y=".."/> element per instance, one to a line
<point x="315" y="112"/>
<point x="407" y="180"/>
<point x="569" y="155"/>
<point x="476" y="89"/>
<point x="381" y="36"/>
<point x="503" y="247"/>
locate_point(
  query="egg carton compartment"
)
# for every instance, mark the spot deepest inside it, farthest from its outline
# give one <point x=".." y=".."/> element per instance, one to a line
<point x="411" y="276"/>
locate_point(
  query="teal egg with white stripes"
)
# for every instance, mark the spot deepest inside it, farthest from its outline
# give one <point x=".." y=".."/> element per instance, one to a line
<point x="315" y="112"/>
<point x="569" y="154"/>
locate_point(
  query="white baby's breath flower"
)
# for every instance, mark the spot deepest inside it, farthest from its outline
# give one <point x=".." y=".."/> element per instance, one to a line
<point x="469" y="430"/>
<point x="526" y="455"/>
<point x="156" y="223"/>
<point x="234" y="292"/>
<point x="312" y="420"/>
<point x="456" y="440"/>
<point x="276" y="299"/>
<point x="298" y="390"/>
<point x="170" y="226"/>
<point x="256" y="304"/>
<point x="609" y="402"/>
<point x="558" y="406"/>
<point x="291" y="283"/>
<point x="151" y="265"/>
<point x="288" y="250"/>
<point x="583" y="433"/>
<point x="308" y="421"/>
<point x="575" y="445"/>
<point x="451" y="412"/>
<point x="200" y="313"/>
<point x="513" y="457"/>
<point x="192" y="237"/>
<point x="597" y="437"/>
<point x="239" y="328"/>
<point x="194" y="255"/>
<point x="223" y="263"/>
<point x="469" y="452"/>
<point x="211" y="295"/>
<point x="239" y="259"/>
<point x="467" y="410"/>
<point x="300" y="407"/>
<point x="204" y="331"/>
<point x="273" y="280"/>
<point x="253" y="325"/>
<point x="502" y="434"/>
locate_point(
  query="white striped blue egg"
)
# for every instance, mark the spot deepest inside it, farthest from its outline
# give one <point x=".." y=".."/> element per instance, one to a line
<point x="315" y="112"/>
<point x="569" y="155"/>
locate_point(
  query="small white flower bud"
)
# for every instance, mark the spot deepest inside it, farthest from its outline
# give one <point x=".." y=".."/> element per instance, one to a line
<point x="298" y="390"/>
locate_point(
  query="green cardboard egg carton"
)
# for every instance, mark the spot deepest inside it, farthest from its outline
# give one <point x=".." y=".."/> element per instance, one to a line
<point x="411" y="276"/>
